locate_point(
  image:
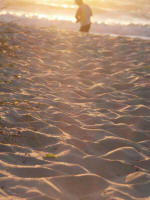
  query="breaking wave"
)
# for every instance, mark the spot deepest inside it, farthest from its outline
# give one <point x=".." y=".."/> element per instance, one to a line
<point x="135" y="30"/>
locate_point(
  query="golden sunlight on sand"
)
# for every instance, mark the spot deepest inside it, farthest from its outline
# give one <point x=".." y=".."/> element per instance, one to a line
<point x="74" y="115"/>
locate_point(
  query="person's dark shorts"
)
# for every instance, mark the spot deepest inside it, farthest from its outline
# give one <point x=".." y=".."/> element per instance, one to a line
<point x="85" y="28"/>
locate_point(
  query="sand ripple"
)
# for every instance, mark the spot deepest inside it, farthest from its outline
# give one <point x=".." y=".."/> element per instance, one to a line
<point x="74" y="116"/>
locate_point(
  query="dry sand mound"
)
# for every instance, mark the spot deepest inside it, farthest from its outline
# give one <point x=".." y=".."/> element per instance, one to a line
<point x="74" y="116"/>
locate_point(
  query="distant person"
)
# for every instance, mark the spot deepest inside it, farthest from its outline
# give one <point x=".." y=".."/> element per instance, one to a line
<point x="83" y="15"/>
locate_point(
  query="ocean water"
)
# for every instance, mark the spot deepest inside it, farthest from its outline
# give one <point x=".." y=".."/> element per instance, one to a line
<point x="109" y="16"/>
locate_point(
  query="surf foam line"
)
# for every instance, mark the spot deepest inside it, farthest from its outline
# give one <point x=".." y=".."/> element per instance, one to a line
<point x="130" y="30"/>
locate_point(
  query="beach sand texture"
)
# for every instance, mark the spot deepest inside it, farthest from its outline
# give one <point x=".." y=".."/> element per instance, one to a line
<point x="74" y="115"/>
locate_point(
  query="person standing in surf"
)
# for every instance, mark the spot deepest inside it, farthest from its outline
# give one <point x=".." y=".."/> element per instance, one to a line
<point x="83" y="15"/>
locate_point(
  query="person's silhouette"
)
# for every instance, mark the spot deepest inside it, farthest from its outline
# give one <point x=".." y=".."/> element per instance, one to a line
<point x="83" y="15"/>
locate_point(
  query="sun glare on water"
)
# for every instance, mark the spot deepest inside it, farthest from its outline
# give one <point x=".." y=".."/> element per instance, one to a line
<point x="55" y="3"/>
<point x="42" y="9"/>
<point x="39" y="15"/>
<point x="104" y="11"/>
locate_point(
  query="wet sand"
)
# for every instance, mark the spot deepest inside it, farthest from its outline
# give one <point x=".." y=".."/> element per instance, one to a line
<point x="74" y="115"/>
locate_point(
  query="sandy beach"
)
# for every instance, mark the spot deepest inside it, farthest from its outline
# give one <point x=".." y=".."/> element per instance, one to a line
<point x="74" y="115"/>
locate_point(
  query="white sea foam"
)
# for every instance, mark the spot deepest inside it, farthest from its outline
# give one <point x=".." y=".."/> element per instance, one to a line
<point x="137" y="30"/>
<point x="119" y="18"/>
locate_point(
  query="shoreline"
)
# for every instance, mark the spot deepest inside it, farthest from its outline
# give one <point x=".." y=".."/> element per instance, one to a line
<point x="40" y="20"/>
